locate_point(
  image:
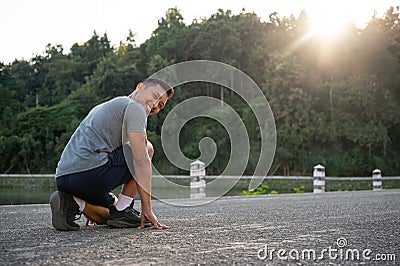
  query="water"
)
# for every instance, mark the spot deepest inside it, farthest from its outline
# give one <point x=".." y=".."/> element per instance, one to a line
<point x="38" y="190"/>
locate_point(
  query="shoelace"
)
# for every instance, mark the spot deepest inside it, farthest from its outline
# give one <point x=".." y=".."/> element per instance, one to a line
<point x="74" y="216"/>
<point x="79" y="215"/>
<point x="134" y="210"/>
<point x="137" y="212"/>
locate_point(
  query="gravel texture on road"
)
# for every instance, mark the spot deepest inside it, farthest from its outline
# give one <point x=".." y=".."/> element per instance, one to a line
<point x="230" y="230"/>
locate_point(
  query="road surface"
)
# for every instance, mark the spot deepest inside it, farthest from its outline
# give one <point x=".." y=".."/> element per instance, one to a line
<point x="332" y="227"/>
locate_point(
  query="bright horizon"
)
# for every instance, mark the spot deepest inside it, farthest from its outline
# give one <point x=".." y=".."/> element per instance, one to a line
<point x="28" y="26"/>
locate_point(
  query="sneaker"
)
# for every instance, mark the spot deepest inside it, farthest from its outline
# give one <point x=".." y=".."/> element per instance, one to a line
<point x="63" y="211"/>
<point x="127" y="218"/>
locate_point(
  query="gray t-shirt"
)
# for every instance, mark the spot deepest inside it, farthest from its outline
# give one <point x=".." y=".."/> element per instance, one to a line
<point x="103" y="130"/>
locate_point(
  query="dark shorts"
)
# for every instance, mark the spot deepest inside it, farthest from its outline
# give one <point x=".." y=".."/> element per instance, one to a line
<point x="94" y="186"/>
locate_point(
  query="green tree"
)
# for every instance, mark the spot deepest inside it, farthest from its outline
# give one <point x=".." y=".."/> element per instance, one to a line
<point x="91" y="52"/>
<point x="161" y="49"/>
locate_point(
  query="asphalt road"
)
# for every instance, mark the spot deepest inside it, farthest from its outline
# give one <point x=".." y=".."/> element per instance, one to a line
<point x="257" y="230"/>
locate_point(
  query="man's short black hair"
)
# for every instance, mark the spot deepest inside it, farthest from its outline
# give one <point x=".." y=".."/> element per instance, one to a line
<point x="163" y="84"/>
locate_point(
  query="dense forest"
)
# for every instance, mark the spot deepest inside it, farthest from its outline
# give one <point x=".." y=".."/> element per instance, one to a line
<point x="336" y="101"/>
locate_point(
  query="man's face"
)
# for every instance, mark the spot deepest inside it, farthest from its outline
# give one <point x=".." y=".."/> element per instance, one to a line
<point x="152" y="97"/>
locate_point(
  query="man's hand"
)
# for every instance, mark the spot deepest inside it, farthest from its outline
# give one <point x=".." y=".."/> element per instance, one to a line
<point x="149" y="216"/>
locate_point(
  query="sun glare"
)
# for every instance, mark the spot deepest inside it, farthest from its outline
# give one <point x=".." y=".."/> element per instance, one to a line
<point x="328" y="18"/>
<point x="327" y="26"/>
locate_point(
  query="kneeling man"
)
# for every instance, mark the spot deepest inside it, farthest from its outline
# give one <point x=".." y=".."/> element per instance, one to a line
<point x="109" y="149"/>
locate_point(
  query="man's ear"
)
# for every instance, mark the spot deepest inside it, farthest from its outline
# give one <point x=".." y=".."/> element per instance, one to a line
<point x="140" y="86"/>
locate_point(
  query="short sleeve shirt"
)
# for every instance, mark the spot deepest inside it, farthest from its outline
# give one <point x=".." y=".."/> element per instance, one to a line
<point x="103" y="130"/>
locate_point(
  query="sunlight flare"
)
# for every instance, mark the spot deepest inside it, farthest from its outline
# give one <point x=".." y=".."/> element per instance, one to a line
<point x="329" y="18"/>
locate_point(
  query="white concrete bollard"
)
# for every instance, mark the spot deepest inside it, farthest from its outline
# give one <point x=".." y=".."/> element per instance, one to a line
<point x="377" y="179"/>
<point x="319" y="178"/>
<point x="197" y="179"/>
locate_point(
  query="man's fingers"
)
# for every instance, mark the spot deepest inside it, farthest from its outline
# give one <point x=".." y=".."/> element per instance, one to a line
<point x="143" y="221"/>
<point x="163" y="226"/>
<point x="160" y="226"/>
<point x="153" y="219"/>
<point x="141" y="226"/>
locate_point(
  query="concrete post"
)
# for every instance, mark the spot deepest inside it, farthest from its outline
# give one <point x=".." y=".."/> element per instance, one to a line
<point x="197" y="179"/>
<point x="377" y="179"/>
<point x="319" y="178"/>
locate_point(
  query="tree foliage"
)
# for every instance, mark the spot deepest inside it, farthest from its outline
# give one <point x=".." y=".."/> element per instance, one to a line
<point x="335" y="102"/>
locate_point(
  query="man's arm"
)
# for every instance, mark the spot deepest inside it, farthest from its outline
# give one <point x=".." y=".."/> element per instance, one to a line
<point x="142" y="166"/>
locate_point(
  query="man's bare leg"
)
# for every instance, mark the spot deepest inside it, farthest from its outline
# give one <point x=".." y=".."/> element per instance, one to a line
<point x="96" y="214"/>
<point x="129" y="189"/>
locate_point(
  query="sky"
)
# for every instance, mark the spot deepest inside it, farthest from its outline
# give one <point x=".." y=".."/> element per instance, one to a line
<point x="27" y="26"/>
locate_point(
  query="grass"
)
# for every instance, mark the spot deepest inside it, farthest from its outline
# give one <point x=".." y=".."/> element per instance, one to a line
<point x="302" y="186"/>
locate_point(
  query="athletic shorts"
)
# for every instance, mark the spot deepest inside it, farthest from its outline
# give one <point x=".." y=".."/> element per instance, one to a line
<point x="94" y="186"/>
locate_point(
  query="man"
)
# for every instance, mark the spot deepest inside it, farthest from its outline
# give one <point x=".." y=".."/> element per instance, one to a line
<point x="108" y="149"/>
